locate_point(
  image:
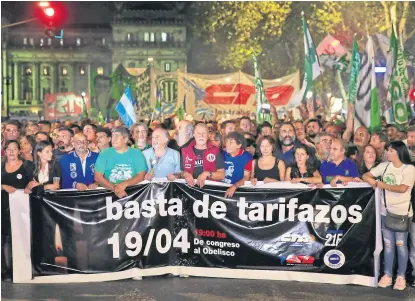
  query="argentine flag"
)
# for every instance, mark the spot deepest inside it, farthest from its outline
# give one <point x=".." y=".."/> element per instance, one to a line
<point x="125" y="108"/>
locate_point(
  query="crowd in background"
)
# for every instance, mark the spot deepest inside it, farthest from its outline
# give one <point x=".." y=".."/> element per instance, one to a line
<point x="315" y="150"/>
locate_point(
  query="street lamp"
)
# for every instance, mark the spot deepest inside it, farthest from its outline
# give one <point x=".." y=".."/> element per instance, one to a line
<point x="7" y="80"/>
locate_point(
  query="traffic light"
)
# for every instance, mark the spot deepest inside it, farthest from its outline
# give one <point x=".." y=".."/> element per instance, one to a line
<point x="52" y="15"/>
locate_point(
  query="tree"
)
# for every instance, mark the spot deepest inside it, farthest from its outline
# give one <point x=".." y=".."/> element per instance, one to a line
<point x="272" y="30"/>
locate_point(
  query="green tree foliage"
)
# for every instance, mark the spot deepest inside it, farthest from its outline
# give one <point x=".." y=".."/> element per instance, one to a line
<point x="272" y="30"/>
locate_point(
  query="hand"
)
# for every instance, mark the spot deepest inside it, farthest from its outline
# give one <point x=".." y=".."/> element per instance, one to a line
<point x="202" y="178"/>
<point x="230" y="191"/>
<point x="148" y="177"/>
<point x="344" y="183"/>
<point x="52" y="186"/>
<point x="357" y="179"/>
<point x="32" y="184"/>
<point x="171" y="177"/>
<point x="295" y="180"/>
<point x="268" y="180"/>
<point x="81" y="186"/>
<point x="9" y="189"/>
<point x="381" y="185"/>
<point x="254" y="181"/>
<point x="93" y="186"/>
<point x="121" y="194"/>
<point x="27" y="191"/>
<point x="333" y="182"/>
<point x="189" y="179"/>
<point x="272" y="109"/>
<point x="119" y="188"/>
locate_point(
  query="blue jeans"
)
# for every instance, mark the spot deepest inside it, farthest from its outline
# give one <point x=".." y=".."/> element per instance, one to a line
<point x="390" y="240"/>
<point x="412" y="248"/>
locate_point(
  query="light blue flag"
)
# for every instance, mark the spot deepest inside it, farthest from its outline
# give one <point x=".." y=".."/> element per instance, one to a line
<point x="125" y="108"/>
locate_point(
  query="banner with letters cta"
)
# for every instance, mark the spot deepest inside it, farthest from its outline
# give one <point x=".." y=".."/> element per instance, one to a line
<point x="298" y="233"/>
<point x="231" y="94"/>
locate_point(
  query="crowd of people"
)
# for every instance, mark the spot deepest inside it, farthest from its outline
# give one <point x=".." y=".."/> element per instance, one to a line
<point x="315" y="150"/>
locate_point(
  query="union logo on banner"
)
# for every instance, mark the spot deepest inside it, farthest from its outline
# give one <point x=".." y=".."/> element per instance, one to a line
<point x="62" y="105"/>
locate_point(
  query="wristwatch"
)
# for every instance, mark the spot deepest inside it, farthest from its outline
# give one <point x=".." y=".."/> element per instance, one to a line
<point x="210" y="175"/>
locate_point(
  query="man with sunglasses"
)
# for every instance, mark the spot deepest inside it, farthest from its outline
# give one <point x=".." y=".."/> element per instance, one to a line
<point x="78" y="167"/>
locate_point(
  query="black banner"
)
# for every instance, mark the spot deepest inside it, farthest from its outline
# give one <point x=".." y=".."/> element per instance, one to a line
<point x="328" y="231"/>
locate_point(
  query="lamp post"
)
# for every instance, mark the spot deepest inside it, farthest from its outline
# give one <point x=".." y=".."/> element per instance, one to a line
<point x="7" y="80"/>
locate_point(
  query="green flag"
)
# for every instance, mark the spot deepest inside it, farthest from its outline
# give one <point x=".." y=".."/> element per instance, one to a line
<point x="262" y="114"/>
<point x="311" y="66"/>
<point x="100" y="118"/>
<point x="399" y="82"/>
<point x="354" y="72"/>
<point x="92" y="77"/>
<point x="375" y="123"/>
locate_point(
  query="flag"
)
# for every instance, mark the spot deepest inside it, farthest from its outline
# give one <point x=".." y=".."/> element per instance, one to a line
<point x="84" y="110"/>
<point x="354" y="72"/>
<point x="311" y="66"/>
<point x="100" y="118"/>
<point x="125" y="108"/>
<point x="375" y="123"/>
<point x="181" y="110"/>
<point x="261" y="98"/>
<point x="158" y="101"/>
<point x="399" y="82"/>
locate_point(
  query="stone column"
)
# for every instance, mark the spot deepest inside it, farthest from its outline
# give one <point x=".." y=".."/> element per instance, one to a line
<point x="53" y="77"/>
<point x="35" y="83"/>
<point x="16" y="81"/>
<point x="9" y="74"/>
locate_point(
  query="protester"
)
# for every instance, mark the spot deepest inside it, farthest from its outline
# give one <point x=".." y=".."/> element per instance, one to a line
<point x="184" y="135"/>
<point x="266" y="129"/>
<point x="323" y="144"/>
<point x="15" y="174"/>
<point x="251" y="147"/>
<point x="76" y="129"/>
<point x="217" y="140"/>
<point x="120" y="166"/>
<point x="200" y="160"/>
<point x="392" y="131"/>
<point x="245" y="124"/>
<point x="361" y="137"/>
<point x="303" y="170"/>
<point x="11" y="132"/>
<point x="268" y="168"/>
<point x="47" y="174"/>
<point x="55" y="136"/>
<point x="32" y="129"/>
<point x="45" y="126"/>
<point x="78" y="167"/>
<point x="42" y="136"/>
<point x="89" y="131"/>
<point x="139" y="132"/>
<point x="313" y="127"/>
<point x="397" y="181"/>
<point x="238" y="162"/>
<point x="227" y="127"/>
<point x="332" y="130"/>
<point x="367" y="160"/>
<point x="285" y="145"/>
<point x="300" y="133"/>
<point x="161" y="160"/>
<point x="65" y="143"/>
<point x="27" y="145"/>
<point x="411" y="142"/>
<point x="103" y="138"/>
<point x="379" y="142"/>
<point x="339" y="168"/>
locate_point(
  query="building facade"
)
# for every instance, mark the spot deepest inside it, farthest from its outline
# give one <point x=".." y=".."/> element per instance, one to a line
<point x="34" y="65"/>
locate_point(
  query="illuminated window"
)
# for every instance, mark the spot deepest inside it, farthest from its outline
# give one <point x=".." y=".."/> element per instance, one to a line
<point x="146" y="37"/>
<point x="24" y="41"/>
<point x="32" y="41"/>
<point x="28" y="71"/>
<point x="61" y="42"/>
<point x="78" y="41"/>
<point x="128" y="36"/>
<point x="164" y="37"/>
<point x="49" y="41"/>
<point x="100" y="71"/>
<point x="46" y="71"/>
<point x="152" y="37"/>
<point x="103" y="41"/>
<point x="81" y="70"/>
<point x="64" y="71"/>
<point x="41" y="42"/>
<point x="167" y="67"/>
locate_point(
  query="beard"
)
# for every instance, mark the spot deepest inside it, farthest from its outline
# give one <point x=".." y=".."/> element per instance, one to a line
<point x="312" y="134"/>
<point x="287" y="140"/>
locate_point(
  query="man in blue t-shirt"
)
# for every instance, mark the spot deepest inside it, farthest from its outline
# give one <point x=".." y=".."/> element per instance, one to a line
<point x="238" y="162"/>
<point x="339" y="168"/>
<point x="120" y="166"/>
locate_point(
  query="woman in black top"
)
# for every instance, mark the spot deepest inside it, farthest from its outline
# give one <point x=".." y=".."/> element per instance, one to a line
<point x="15" y="174"/>
<point x="27" y="145"/>
<point x="303" y="170"/>
<point x="367" y="160"/>
<point x="45" y="168"/>
<point x="267" y="168"/>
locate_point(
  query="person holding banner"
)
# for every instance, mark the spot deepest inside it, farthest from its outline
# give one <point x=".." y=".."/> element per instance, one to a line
<point x="303" y="171"/>
<point x="397" y="181"/>
<point x="201" y="160"/>
<point x="161" y="160"/>
<point x="339" y="168"/>
<point x="238" y="162"/>
<point x="120" y="166"/>
<point x="267" y="168"/>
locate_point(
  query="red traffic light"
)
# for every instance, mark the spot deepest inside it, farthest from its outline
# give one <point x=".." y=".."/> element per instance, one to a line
<point x="51" y="14"/>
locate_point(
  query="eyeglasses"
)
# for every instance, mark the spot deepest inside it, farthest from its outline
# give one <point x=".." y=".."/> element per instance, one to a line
<point x="80" y="142"/>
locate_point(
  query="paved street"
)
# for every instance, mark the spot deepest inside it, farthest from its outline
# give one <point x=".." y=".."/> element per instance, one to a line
<point x="198" y="289"/>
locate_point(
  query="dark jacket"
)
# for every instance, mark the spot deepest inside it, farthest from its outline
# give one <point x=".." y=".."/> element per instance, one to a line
<point x="54" y="171"/>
